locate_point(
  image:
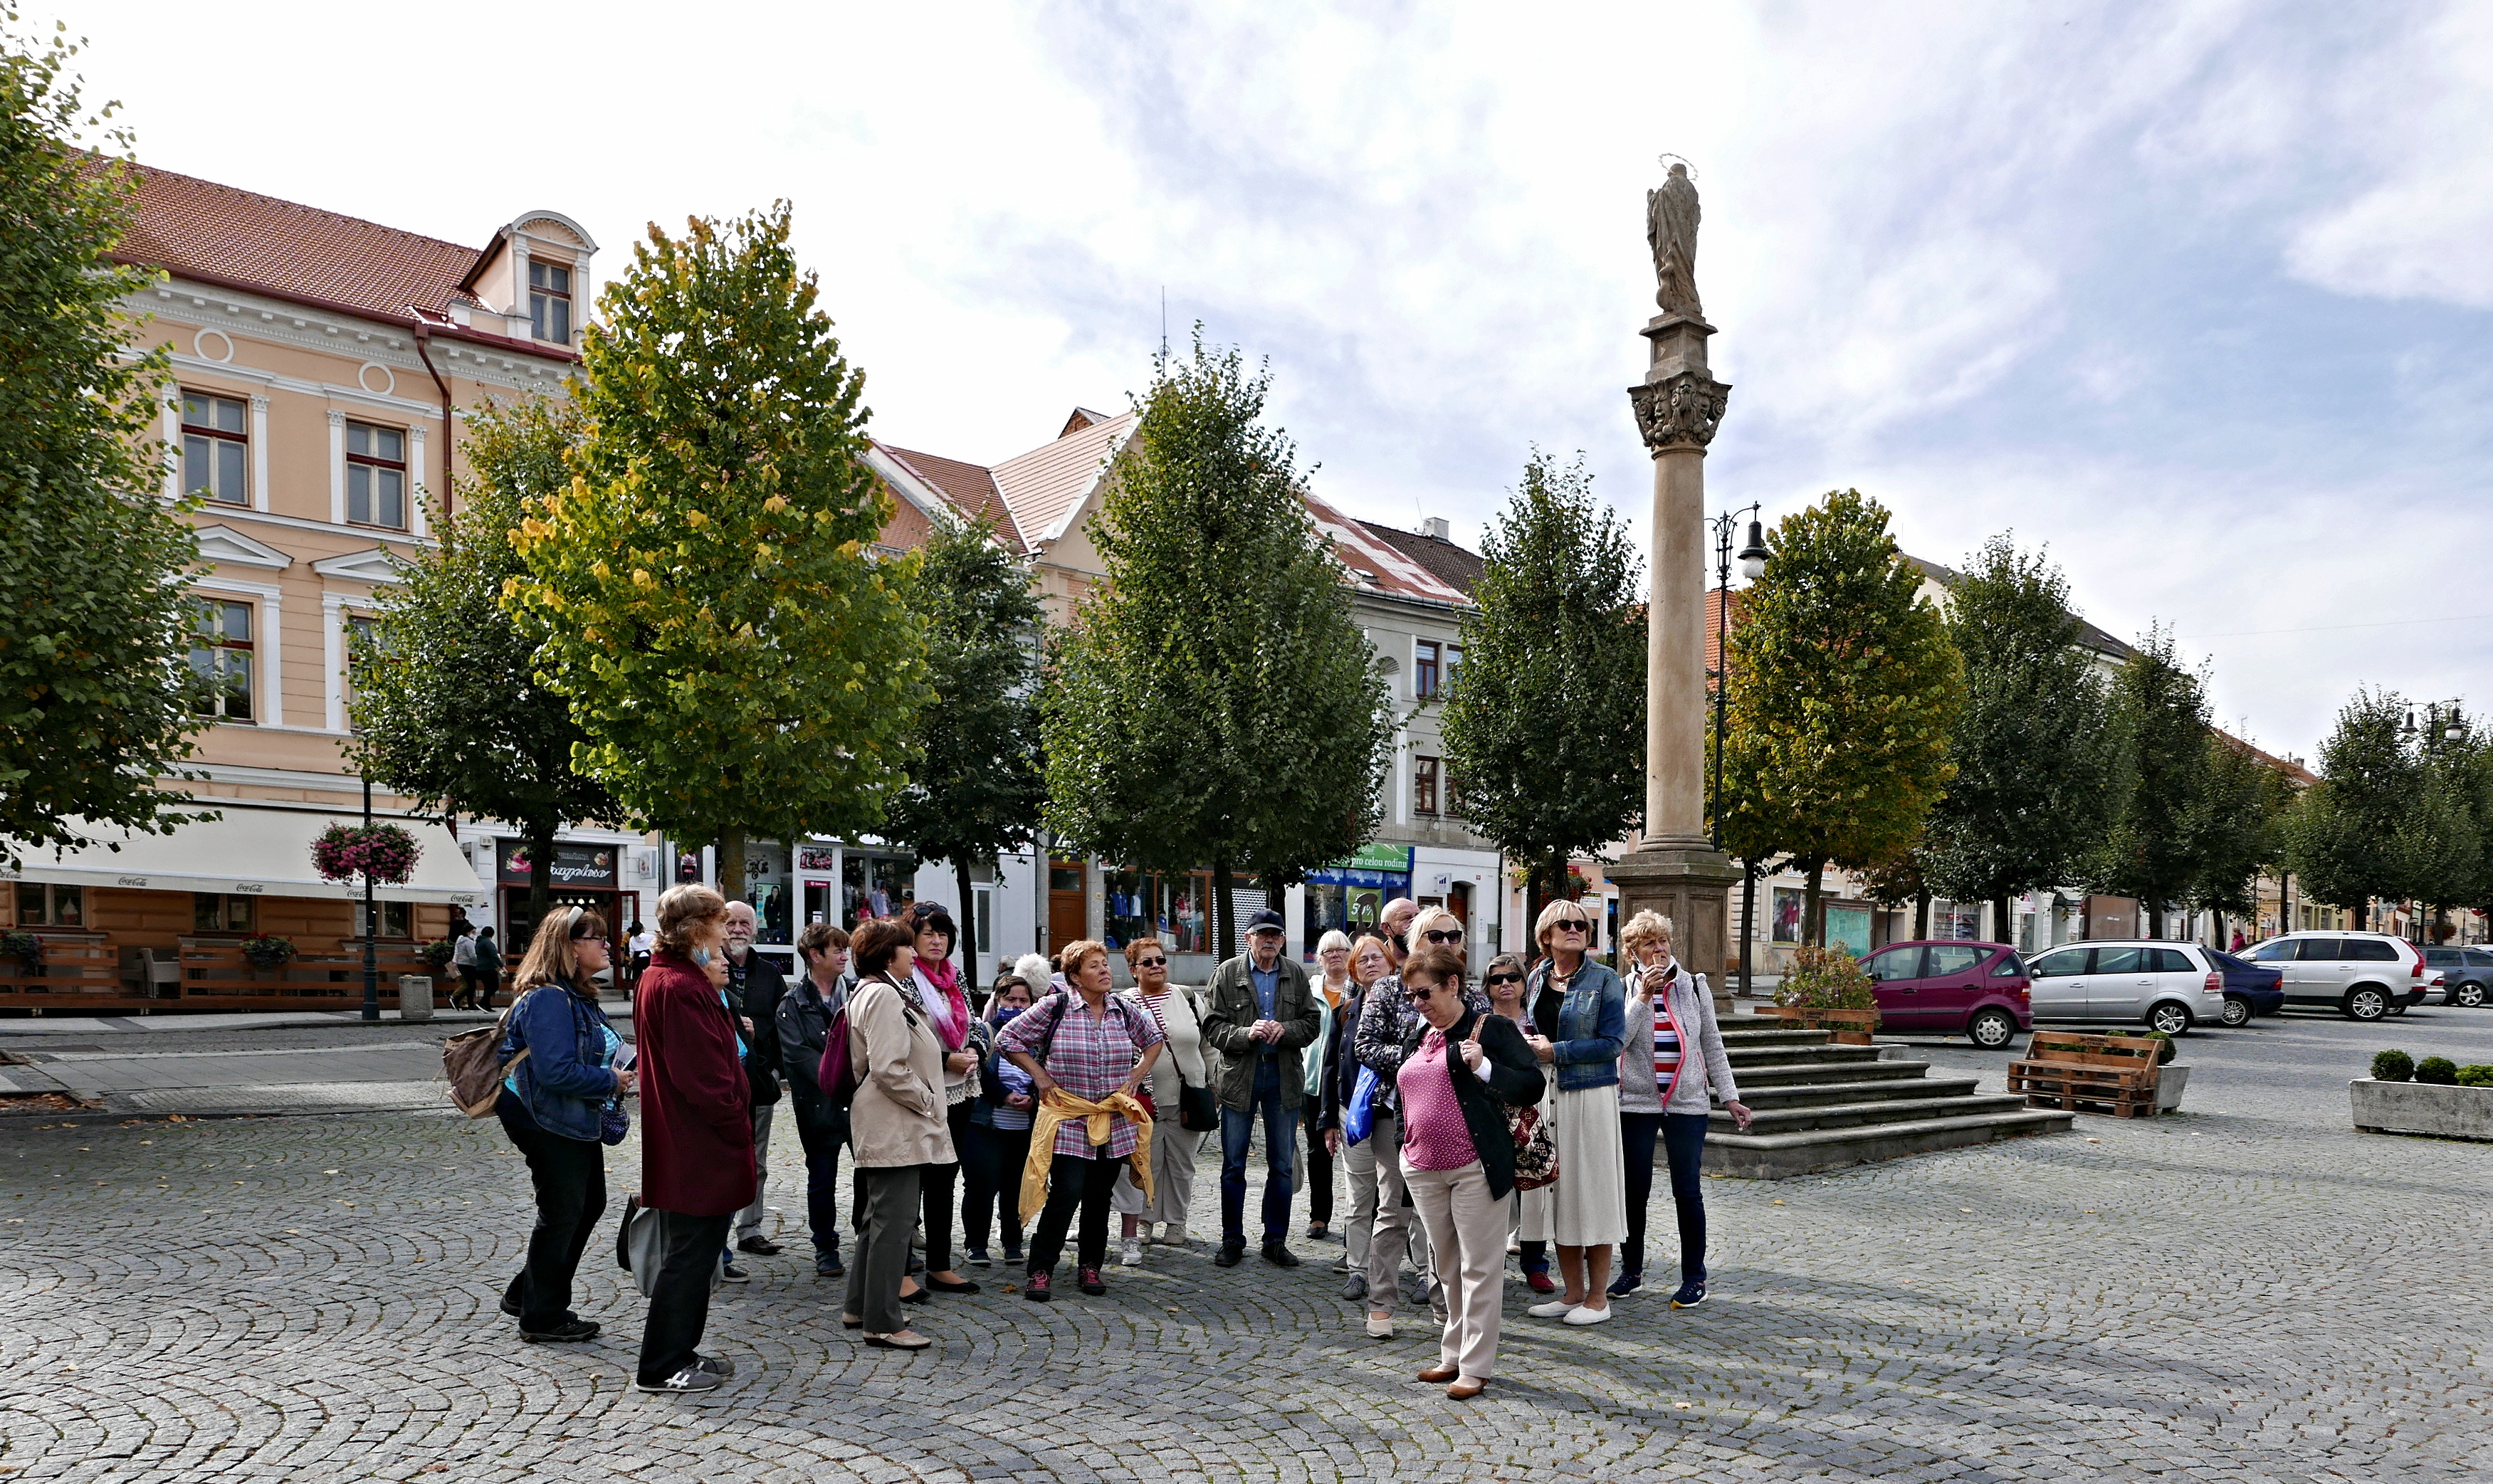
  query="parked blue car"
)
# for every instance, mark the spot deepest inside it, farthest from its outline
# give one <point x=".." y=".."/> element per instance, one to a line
<point x="2250" y="988"/>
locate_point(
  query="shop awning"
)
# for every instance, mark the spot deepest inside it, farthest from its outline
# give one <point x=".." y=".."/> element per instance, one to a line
<point x="255" y="850"/>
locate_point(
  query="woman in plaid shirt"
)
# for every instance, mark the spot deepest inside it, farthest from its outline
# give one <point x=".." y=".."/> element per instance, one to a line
<point x="1094" y="1045"/>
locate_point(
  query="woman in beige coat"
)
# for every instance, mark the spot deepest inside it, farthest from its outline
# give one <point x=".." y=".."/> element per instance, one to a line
<point x="896" y="1128"/>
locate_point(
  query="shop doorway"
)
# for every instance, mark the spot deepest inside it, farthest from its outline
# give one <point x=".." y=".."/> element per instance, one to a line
<point x="1068" y="902"/>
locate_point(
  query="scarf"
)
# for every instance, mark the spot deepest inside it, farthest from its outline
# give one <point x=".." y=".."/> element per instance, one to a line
<point x="952" y="1023"/>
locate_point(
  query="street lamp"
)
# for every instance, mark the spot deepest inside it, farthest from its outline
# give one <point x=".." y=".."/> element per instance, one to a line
<point x="1753" y="557"/>
<point x="2443" y="730"/>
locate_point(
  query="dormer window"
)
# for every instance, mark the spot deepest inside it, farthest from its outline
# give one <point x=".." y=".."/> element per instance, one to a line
<point x="550" y="301"/>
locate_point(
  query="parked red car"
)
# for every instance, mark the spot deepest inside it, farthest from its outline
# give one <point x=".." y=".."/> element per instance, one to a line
<point x="1950" y="987"/>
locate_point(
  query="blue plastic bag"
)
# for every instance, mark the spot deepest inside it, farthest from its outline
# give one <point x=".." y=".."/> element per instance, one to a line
<point x="1357" y="1118"/>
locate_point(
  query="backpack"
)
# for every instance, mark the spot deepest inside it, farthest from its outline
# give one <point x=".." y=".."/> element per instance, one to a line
<point x="837" y="1074"/>
<point x="473" y="1064"/>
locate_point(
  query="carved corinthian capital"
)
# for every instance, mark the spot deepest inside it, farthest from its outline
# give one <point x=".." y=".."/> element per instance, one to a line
<point x="1681" y="411"/>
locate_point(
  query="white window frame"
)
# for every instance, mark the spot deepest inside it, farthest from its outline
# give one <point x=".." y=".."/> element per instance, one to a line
<point x="269" y="704"/>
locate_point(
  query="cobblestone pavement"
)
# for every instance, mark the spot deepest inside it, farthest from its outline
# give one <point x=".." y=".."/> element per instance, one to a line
<point x="2247" y="1291"/>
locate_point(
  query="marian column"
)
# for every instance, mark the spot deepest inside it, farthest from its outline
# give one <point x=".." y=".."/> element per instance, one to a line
<point x="1676" y="870"/>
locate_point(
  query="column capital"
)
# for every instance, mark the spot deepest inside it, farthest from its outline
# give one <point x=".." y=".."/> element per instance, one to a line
<point x="1679" y="411"/>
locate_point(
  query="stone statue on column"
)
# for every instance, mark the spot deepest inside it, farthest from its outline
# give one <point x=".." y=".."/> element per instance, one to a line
<point x="1676" y="869"/>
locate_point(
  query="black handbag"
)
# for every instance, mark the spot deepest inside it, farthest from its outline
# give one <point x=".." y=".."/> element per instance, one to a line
<point x="1198" y="1112"/>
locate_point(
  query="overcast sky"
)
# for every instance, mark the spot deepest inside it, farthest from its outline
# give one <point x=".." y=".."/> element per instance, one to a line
<point x="2195" y="294"/>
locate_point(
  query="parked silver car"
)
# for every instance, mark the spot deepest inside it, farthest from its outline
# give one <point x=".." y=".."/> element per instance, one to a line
<point x="2169" y="987"/>
<point x="2361" y="975"/>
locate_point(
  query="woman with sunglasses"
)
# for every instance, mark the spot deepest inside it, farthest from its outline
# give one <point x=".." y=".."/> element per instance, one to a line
<point x="553" y="1108"/>
<point x="1579" y="1009"/>
<point x="1531" y="1228"/>
<point x="1173" y="1010"/>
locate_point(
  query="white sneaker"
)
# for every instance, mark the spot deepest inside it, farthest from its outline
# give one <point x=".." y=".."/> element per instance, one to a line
<point x="1173" y="1233"/>
<point x="1129" y="1252"/>
<point x="1380" y="1326"/>
<point x="1557" y="1308"/>
<point x="1579" y="1315"/>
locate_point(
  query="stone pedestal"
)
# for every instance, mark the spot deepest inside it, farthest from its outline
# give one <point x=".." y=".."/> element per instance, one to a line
<point x="1693" y="888"/>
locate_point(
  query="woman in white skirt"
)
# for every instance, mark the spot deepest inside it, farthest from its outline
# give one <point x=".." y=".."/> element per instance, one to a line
<point x="1172" y="1009"/>
<point x="1579" y="1010"/>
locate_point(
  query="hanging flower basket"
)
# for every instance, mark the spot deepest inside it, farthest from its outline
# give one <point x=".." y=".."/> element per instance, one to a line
<point x="266" y="950"/>
<point x="386" y="852"/>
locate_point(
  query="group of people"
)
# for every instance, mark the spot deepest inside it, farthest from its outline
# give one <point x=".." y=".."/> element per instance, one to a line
<point x="1037" y="1110"/>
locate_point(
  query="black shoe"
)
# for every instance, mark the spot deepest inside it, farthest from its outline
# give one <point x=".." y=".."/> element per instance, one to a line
<point x="760" y="1246"/>
<point x="733" y="1274"/>
<point x="717" y="1365"/>
<point x="1230" y="1255"/>
<point x="1691" y="1293"/>
<point x="569" y="1332"/>
<point x="941" y="1286"/>
<point x="924" y="1295"/>
<point x="510" y="1306"/>
<point x="1280" y="1255"/>
<point x="827" y="1265"/>
<point x="1625" y="1283"/>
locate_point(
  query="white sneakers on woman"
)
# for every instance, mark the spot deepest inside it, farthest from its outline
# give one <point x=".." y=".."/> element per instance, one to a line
<point x="1579" y="1315"/>
<point x="1554" y="1308"/>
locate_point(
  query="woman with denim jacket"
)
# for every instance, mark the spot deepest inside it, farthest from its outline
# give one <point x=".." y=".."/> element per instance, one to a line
<point x="552" y="1105"/>
<point x="1579" y="1009"/>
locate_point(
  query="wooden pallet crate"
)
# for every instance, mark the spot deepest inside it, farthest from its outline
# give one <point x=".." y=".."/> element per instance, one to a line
<point x="2077" y="1073"/>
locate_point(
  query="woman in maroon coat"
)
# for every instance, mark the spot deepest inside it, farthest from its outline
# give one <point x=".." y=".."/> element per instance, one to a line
<point x="696" y="1137"/>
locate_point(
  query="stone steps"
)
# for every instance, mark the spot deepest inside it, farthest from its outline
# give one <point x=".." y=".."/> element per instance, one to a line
<point x="1824" y="1107"/>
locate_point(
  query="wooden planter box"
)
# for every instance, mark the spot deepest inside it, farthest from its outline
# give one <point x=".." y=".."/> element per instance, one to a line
<point x="2421" y="1108"/>
<point x="1850" y="1028"/>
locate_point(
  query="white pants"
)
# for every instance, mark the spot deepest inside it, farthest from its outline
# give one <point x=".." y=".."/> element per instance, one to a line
<point x="1382" y="1229"/>
<point x="1469" y="1229"/>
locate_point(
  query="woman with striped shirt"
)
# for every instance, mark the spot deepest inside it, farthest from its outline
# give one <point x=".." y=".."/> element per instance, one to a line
<point x="1673" y="1066"/>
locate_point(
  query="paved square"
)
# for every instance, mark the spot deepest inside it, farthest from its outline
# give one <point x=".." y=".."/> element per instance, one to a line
<point x="2247" y="1291"/>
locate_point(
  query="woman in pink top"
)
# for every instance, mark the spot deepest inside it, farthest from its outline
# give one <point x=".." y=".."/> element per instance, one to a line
<point x="1461" y="1071"/>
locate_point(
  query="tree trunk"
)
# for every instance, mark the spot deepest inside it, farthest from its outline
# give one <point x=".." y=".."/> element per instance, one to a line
<point x="2216" y="929"/>
<point x="1536" y="894"/>
<point x="1922" y="912"/>
<point x="2363" y="914"/>
<point x="1224" y="912"/>
<point x="1813" y="924"/>
<point x="540" y="836"/>
<point x="964" y="914"/>
<point x="1748" y="922"/>
<point x="2154" y="914"/>
<point x="2004" y="925"/>
<point x="2284" y="903"/>
<point x="731" y="863"/>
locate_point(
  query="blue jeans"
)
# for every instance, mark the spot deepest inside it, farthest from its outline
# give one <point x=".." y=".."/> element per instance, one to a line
<point x="1280" y="1150"/>
<point x="1683" y="1142"/>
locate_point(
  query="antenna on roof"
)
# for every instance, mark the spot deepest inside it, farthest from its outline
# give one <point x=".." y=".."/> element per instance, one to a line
<point x="1163" y="360"/>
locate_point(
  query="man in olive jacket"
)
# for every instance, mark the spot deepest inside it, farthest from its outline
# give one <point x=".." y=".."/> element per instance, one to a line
<point x="1261" y="1016"/>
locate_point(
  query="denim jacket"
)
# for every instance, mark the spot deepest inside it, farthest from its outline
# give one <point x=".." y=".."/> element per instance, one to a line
<point x="566" y="1078"/>
<point x="1592" y="1024"/>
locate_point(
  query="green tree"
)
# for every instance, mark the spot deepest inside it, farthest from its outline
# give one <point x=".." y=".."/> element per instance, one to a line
<point x="978" y="787"/>
<point x="1545" y="722"/>
<point x="2032" y="745"/>
<point x="704" y="590"/>
<point x="95" y="705"/>
<point x="1214" y="697"/>
<point x="2159" y="719"/>
<point x="1844" y="691"/>
<point x="2234" y="829"/>
<point x="447" y="704"/>
<point x="2438" y="844"/>
<point x="2343" y="836"/>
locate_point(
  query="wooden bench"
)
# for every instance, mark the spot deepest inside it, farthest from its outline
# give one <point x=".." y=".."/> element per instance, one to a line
<point x="2078" y="1073"/>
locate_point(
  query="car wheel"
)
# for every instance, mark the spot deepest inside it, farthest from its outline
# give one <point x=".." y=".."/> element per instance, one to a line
<point x="2237" y="1012"/>
<point x="2168" y="1018"/>
<point x="1991" y="1029"/>
<point x="2471" y="993"/>
<point x="2367" y="1004"/>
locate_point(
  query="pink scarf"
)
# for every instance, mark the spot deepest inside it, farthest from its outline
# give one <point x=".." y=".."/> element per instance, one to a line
<point x="954" y="1023"/>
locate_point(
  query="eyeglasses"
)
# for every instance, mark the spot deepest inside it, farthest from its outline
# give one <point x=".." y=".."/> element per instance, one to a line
<point x="589" y="937"/>
<point x="1444" y="934"/>
<point x="1420" y="992"/>
<point x="1151" y="963"/>
<point x="1572" y="924"/>
<point x="1495" y="980"/>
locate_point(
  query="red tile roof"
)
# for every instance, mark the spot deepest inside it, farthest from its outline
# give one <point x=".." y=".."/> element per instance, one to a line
<point x="1453" y="564"/>
<point x="969" y="487"/>
<point x="1377" y="564"/>
<point x="238" y="237"/>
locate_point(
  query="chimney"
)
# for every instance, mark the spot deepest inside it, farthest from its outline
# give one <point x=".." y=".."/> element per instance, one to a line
<point x="1435" y="529"/>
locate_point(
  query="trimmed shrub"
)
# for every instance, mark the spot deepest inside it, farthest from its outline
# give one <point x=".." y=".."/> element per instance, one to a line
<point x="2440" y="1071"/>
<point x="2475" y="1075"/>
<point x="2166" y="1051"/>
<point x="2392" y="1067"/>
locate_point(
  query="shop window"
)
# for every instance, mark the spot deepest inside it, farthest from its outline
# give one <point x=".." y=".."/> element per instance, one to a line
<point x="221" y="656"/>
<point x="1423" y="786"/>
<point x="216" y="450"/>
<point x="211" y="912"/>
<point x="1174" y="907"/>
<point x="875" y="886"/>
<point x="41" y="905"/>
<point x="376" y="476"/>
<point x="1787" y="902"/>
<point x="394" y="919"/>
<point x="550" y="301"/>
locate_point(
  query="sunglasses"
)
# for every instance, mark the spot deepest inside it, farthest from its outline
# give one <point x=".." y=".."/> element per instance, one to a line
<point x="1443" y="936"/>
<point x="1421" y="992"/>
<point x="1572" y="924"/>
<point x="1495" y="980"/>
<point x="589" y="937"/>
<point x="1151" y="963"/>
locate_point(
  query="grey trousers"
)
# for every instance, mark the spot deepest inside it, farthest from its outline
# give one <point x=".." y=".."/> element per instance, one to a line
<point x="1381" y="1227"/>
<point x="748" y="1222"/>
<point x="883" y="1219"/>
